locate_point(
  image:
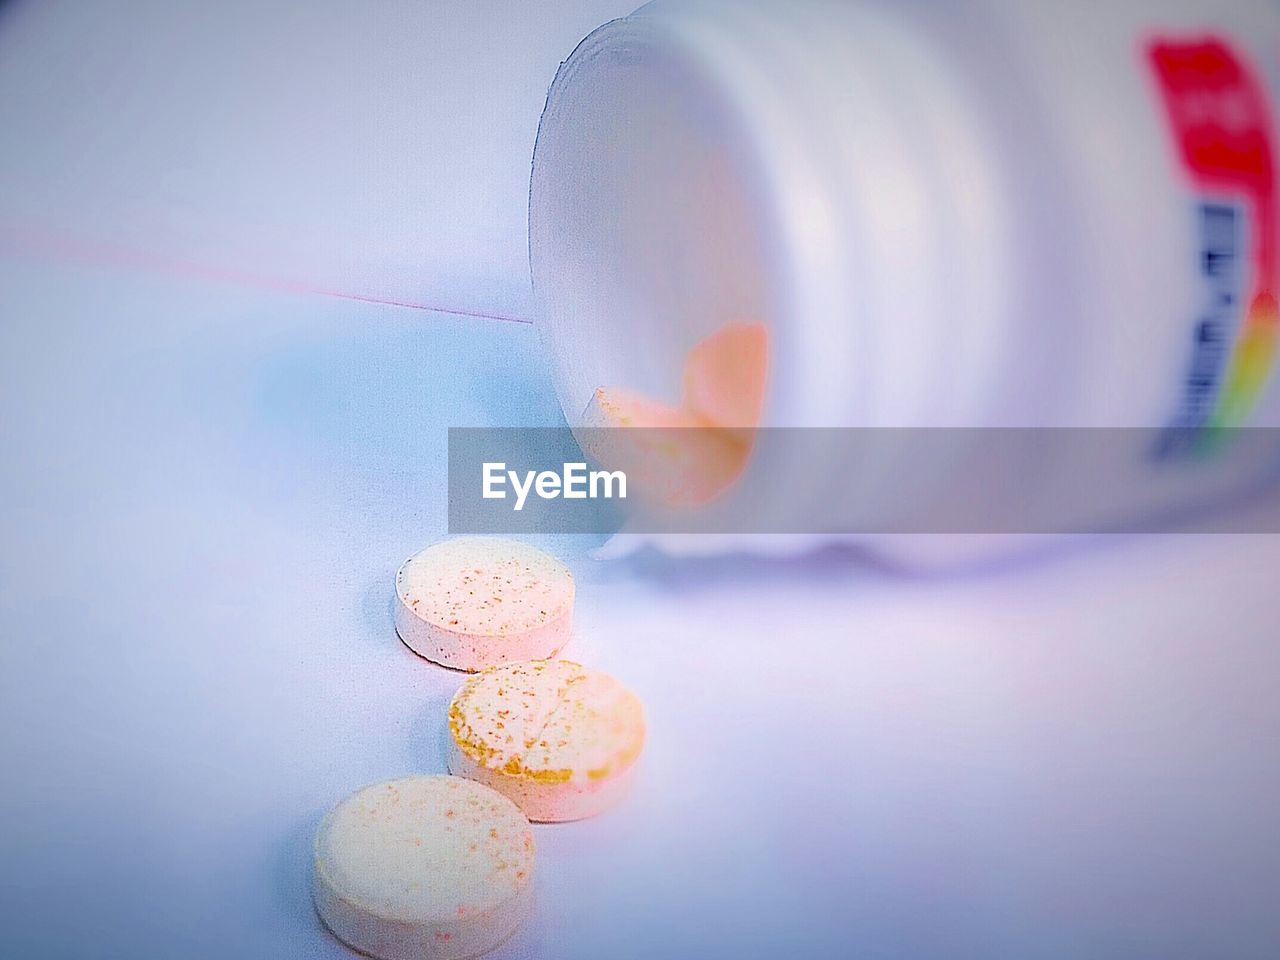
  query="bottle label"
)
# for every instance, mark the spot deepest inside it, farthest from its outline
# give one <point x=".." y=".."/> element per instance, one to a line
<point x="1219" y="117"/>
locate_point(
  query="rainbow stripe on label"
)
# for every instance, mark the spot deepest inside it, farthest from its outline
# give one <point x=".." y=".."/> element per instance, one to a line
<point x="1250" y="366"/>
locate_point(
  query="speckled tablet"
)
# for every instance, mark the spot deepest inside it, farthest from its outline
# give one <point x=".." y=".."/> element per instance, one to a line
<point x="559" y="740"/>
<point x="473" y="602"/>
<point x="424" y="867"/>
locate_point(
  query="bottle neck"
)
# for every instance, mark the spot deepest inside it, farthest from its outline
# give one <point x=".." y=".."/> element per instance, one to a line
<point x="706" y="163"/>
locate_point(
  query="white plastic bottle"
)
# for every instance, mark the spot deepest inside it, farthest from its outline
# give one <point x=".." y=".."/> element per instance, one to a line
<point x="1018" y="213"/>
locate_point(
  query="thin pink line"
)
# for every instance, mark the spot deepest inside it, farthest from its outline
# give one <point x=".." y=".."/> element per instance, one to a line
<point x="70" y="248"/>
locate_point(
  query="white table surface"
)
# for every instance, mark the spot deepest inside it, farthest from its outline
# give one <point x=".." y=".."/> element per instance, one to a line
<point x="205" y="494"/>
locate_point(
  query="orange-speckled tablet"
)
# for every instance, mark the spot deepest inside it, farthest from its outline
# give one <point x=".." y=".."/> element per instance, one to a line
<point x="474" y="602"/>
<point x="725" y="375"/>
<point x="560" y="740"/>
<point x="423" y="868"/>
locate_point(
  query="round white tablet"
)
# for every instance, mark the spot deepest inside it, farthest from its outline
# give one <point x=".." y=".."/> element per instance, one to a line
<point x="474" y="602"/>
<point x="425" y="867"/>
<point x="559" y="740"/>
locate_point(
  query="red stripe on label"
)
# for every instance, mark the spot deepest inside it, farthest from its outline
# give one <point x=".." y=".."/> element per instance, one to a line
<point x="1218" y="113"/>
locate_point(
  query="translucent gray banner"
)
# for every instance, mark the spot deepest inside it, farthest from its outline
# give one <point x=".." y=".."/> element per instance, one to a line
<point x="863" y="481"/>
